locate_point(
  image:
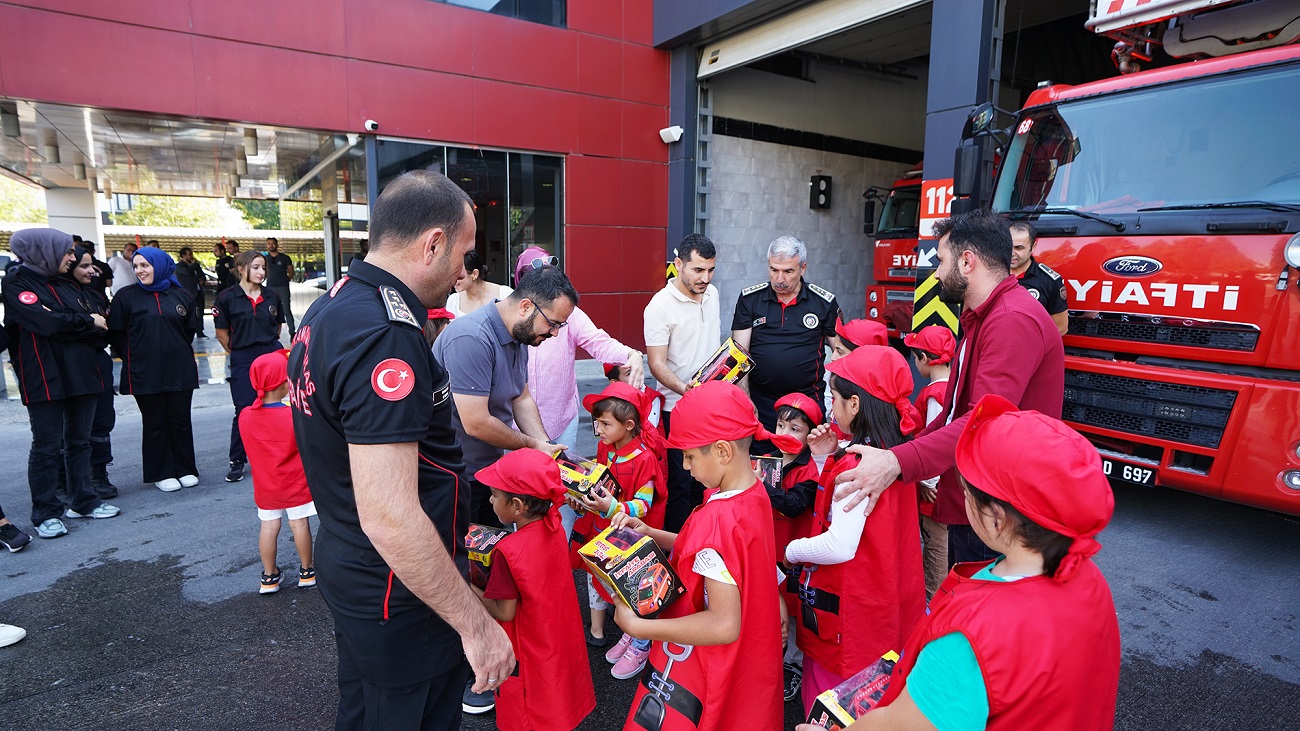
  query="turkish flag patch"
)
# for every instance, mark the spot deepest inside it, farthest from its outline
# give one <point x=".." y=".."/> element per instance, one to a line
<point x="392" y="379"/>
<point x="27" y="298"/>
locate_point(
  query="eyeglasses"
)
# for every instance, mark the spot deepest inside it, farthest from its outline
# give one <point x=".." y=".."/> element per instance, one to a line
<point x="555" y="327"/>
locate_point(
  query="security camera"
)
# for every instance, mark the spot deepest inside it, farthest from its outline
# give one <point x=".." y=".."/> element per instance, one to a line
<point x="371" y="125"/>
<point x="671" y="134"/>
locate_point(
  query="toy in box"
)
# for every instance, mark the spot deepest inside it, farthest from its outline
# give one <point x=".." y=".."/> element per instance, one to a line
<point x="633" y="569"/>
<point x="479" y="542"/>
<point x="769" y="471"/>
<point x="840" y="706"/>
<point x="580" y="477"/>
<point x="729" y="363"/>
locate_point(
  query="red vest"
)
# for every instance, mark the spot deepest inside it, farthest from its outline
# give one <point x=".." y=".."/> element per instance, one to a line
<point x="553" y="689"/>
<point x="278" y="478"/>
<point x="631" y="474"/>
<point x="720" y="687"/>
<point x="1048" y="650"/>
<point x="937" y="390"/>
<point x="854" y="612"/>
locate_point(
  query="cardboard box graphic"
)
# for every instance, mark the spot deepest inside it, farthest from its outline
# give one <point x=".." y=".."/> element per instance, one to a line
<point x="580" y="477"/>
<point x="479" y="542"/>
<point x="729" y="363"/>
<point x="840" y="706"/>
<point x="769" y="470"/>
<point x="633" y="569"/>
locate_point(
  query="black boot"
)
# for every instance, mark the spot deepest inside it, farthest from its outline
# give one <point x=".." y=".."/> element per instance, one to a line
<point x="99" y="481"/>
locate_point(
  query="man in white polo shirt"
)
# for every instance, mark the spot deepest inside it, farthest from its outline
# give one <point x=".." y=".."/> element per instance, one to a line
<point x="682" y="329"/>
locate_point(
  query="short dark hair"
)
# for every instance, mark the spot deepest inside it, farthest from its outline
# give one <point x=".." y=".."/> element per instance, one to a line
<point x="790" y="413"/>
<point x="918" y="352"/>
<point x="544" y="286"/>
<point x="981" y="231"/>
<point x="272" y="238"/>
<point x="696" y="244"/>
<point x="473" y="262"/>
<point x="183" y="250"/>
<point x="1027" y="228"/>
<point x="76" y="239"/>
<point x="152" y="242"/>
<point x="619" y="409"/>
<point x="1052" y="546"/>
<point x="232" y="242"/>
<point x="534" y="507"/>
<point x="415" y="202"/>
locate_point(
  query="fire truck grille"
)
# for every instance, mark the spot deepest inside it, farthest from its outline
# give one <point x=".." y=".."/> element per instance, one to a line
<point x="1170" y="411"/>
<point x="1167" y="334"/>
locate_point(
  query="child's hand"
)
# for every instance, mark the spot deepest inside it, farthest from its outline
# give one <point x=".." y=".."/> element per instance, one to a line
<point x="623" y="520"/>
<point x="573" y="503"/>
<point x="928" y="494"/>
<point x="625" y="618"/>
<point x="597" y="500"/>
<point x="822" y="440"/>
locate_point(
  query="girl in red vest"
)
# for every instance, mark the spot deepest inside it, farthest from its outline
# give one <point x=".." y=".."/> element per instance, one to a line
<point x="932" y="350"/>
<point x="861" y="588"/>
<point x="552" y="690"/>
<point x="1029" y="640"/>
<point x="635" y="454"/>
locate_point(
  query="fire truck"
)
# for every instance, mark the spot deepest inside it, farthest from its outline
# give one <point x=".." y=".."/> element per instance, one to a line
<point x="1169" y="201"/>
<point x="889" y="298"/>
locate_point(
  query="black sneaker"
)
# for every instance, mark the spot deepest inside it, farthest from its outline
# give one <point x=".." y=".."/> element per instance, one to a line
<point x="236" y="472"/>
<point x="270" y="583"/>
<point x="476" y="703"/>
<point x="12" y="538"/>
<point x="793" y="681"/>
<point x="306" y="578"/>
<point x="99" y="482"/>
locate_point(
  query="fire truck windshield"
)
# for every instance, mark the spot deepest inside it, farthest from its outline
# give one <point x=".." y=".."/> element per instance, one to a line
<point x="900" y="213"/>
<point x="1195" y="143"/>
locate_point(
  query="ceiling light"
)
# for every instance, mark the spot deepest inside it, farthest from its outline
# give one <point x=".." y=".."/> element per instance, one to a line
<point x="9" y="119"/>
<point x="250" y="142"/>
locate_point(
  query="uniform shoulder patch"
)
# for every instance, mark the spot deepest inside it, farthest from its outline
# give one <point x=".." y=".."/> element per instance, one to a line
<point x="755" y="288"/>
<point x="1048" y="271"/>
<point x="396" y="306"/>
<point x="824" y="294"/>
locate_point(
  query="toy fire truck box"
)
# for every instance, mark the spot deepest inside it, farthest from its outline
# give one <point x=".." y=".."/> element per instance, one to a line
<point x="729" y="363"/>
<point x="580" y="477"/>
<point x="847" y="702"/>
<point x="768" y="470"/>
<point x="633" y="569"/>
<point x="478" y="544"/>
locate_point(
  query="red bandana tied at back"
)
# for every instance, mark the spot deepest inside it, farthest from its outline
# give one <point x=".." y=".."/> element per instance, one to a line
<point x="719" y="411"/>
<point x="527" y="472"/>
<point x="803" y="403"/>
<point x="935" y="339"/>
<point x="863" y="332"/>
<point x="267" y="373"/>
<point x="882" y="372"/>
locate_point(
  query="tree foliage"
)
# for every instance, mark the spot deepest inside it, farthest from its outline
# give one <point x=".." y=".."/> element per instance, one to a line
<point x="21" y="203"/>
<point x="300" y="216"/>
<point x="263" y="214"/>
<point x="181" y="211"/>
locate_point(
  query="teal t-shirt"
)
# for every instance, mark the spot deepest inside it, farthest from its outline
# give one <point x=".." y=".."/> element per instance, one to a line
<point x="946" y="683"/>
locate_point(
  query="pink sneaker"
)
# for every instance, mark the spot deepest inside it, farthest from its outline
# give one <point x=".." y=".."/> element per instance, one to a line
<point x="617" y="651"/>
<point x="631" y="664"/>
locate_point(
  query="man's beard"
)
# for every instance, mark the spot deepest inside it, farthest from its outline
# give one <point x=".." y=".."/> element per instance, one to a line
<point x="952" y="290"/>
<point x="523" y="332"/>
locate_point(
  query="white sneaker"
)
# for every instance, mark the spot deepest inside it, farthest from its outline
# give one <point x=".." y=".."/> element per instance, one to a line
<point x="189" y="480"/>
<point x="171" y="484"/>
<point x="52" y="528"/>
<point x="10" y="634"/>
<point x="103" y="511"/>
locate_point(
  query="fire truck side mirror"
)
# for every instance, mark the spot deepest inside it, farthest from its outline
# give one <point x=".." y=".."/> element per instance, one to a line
<point x="869" y="216"/>
<point x="979" y="121"/>
<point x="966" y="168"/>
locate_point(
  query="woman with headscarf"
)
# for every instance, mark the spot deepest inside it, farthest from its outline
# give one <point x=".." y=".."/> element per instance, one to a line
<point x="89" y="278"/>
<point x="52" y="334"/>
<point x="247" y="318"/>
<point x="151" y="324"/>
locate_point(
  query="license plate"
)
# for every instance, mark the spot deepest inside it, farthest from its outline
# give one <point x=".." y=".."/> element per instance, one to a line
<point x="1130" y="473"/>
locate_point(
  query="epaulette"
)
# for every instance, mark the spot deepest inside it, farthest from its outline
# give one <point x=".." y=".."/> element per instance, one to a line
<point x="396" y="306"/>
<point x="1048" y="271"/>
<point x="755" y="288"/>
<point x="828" y="296"/>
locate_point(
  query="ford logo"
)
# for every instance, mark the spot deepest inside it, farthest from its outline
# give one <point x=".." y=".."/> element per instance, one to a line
<point x="1132" y="266"/>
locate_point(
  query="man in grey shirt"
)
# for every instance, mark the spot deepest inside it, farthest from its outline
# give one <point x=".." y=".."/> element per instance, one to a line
<point x="486" y="355"/>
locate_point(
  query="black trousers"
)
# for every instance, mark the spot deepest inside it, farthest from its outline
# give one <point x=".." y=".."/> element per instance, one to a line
<point x="201" y="300"/>
<point x="60" y="433"/>
<point x="286" y="301"/>
<point x="964" y="546"/>
<point x="685" y="493"/>
<point x="242" y="392"/>
<point x="101" y="429"/>
<point x="167" y="444"/>
<point x="374" y="657"/>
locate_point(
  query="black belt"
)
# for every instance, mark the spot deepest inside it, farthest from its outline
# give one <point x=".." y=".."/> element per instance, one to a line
<point x="660" y="691"/>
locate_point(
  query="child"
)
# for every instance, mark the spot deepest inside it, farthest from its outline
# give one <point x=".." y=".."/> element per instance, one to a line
<point x="861" y="588"/>
<point x="279" y="485"/>
<point x="796" y="416"/>
<point x="715" y="662"/>
<point x="617" y="373"/>
<point x="438" y="320"/>
<point x="527" y="594"/>
<point x="932" y="351"/>
<point x="1029" y="640"/>
<point x="851" y="335"/>
<point x="628" y="446"/>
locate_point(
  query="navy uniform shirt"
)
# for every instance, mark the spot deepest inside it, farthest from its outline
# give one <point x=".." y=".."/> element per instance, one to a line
<point x="361" y="372"/>
<point x="151" y="331"/>
<point x="277" y="270"/>
<point x="1046" y="286"/>
<point x="52" y="337"/>
<point x="250" y="322"/>
<point x="225" y="268"/>
<point x="787" y="341"/>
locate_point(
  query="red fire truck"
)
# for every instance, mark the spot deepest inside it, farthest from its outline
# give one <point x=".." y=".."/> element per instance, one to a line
<point x="1169" y="200"/>
<point x="889" y="298"/>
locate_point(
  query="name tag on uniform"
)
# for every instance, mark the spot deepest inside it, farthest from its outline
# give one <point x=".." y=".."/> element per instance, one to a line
<point x="759" y="321"/>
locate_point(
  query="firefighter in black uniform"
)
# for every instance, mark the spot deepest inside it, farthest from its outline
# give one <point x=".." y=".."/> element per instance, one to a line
<point x="1040" y="280"/>
<point x="224" y="266"/>
<point x="52" y="335"/>
<point x="372" y="414"/>
<point x="90" y="278"/>
<point x="785" y="323"/>
<point x="247" y="318"/>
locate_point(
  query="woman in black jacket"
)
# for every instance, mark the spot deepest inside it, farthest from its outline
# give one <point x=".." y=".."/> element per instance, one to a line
<point x="151" y="324"/>
<point x="51" y="347"/>
<point x="86" y="273"/>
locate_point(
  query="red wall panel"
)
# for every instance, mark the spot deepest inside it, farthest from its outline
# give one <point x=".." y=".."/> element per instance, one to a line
<point x="434" y="106"/>
<point x="638" y="21"/>
<point x="524" y="117"/>
<point x="400" y="32"/>
<point x="600" y="66"/>
<point x="645" y="74"/>
<point x="643" y="260"/>
<point x="601" y="17"/>
<point x="526" y="53"/>
<point x="293" y="88"/>
<point x="645" y="193"/>
<point x="641" y="125"/>
<point x="305" y="25"/>
<point x="165" y="14"/>
<point x="600" y="125"/>
<point x="594" y="191"/>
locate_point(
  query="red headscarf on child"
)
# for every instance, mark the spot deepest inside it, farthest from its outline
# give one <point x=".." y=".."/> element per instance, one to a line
<point x="803" y="403"/>
<point x="267" y="373"/>
<point x="863" y="332"/>
<point x="1045" y="469"/>
<point x="935" y="339"/>
<point x="641" y="401"/>
<point x="720" y="411"/>
<point x="527" y="472"/>
<point x="882" y="372"/>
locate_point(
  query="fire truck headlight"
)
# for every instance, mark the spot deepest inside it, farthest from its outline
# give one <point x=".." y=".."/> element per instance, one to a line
<point x="1291" y="478"/>
<point x="873" y="296"/>
<point x="1292" y="252"/>
<point x="874" y="313"/>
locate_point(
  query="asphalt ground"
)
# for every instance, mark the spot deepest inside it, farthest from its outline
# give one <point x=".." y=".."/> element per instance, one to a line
<point x="152" y="620"/>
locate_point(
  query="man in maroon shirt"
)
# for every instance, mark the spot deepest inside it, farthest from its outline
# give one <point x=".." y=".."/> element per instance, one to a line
<point x="1009" y="346"/>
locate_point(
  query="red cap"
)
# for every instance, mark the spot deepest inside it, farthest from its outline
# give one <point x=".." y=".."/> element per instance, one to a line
<point x="803" y="403"/>
<point x="267" y="373"/>
<point x="863" y="332"/>
<point x="720" y="411"/>
<point x="441" y="313"/>
<point x="1045" y="469"/>
<point x="611" y="371"/>
<point x="883" y="373"/>
<point x="619" y="390"/>
<point x="935" y="339"/>
<point x="525" y="472"/>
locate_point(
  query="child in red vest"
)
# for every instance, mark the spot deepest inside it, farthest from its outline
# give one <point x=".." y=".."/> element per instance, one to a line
<point x="527" y="594"/>
<point x="635" y="454"/>
<point x="618" y="373"/>
<point x="792" y="501"/>
<point x="1029" y="640"/>
<point x="932" y="350"/>
<point x="279" y="485"/>
<point x="849" y="336"/>
<point x="715" y="659"/>
<point x="860" y="588"/>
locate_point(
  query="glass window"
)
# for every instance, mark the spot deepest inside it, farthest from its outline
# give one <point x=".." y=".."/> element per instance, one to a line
<point x="482" y="174"/>
<point x="550" y="12"/>
<point x="536" y="192"/>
